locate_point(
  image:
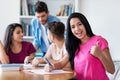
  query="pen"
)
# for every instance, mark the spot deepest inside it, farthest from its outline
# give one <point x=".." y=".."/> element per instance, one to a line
<point x="48" y="62"/>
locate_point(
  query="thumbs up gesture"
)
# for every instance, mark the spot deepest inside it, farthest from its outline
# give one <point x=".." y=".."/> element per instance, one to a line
<point x="95" y="50"/>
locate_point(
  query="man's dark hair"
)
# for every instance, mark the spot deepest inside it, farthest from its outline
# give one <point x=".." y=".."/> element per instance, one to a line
<point x="41" y="7"/>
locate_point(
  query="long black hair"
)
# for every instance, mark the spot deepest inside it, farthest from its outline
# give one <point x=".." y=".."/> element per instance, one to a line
<point x="72" y="43"/>
<point x="8" y="35"/>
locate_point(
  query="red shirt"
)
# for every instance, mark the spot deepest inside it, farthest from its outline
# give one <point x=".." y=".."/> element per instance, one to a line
<point x="27" y="49"/>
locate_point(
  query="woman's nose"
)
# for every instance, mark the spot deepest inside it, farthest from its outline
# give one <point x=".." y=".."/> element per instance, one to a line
<point x="22" y="34"/>
<point x="76" y="28"/>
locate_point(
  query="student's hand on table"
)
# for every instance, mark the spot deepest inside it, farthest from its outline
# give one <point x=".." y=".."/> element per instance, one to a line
<point x="36" y="61"/>
<point x="28" y="59"/>
<point x="48" y="68"/>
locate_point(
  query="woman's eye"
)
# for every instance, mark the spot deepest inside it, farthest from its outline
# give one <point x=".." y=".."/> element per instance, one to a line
<point x="18" y="32"/>
<point x="72" y="27"/>
<point x="79" y="24"/>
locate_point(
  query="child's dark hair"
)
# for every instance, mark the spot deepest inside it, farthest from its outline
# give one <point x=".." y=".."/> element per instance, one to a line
<point x="57" y="29"/>
<point x="41" y="6"/>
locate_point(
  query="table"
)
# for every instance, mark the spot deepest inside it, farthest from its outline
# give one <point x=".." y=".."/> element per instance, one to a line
<point x="21" y="75"/>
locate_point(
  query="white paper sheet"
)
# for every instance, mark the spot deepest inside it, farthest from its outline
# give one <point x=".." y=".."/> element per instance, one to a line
<point x="41" y="71"/>
<point x="30" y="65"/>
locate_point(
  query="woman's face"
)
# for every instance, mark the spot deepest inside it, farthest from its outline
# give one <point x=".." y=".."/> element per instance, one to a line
<point x="78" y="28"/>
<point x="17" y="34"/>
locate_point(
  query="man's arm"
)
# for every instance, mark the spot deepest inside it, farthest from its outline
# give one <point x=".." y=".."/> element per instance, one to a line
<point x="34" y="25"/>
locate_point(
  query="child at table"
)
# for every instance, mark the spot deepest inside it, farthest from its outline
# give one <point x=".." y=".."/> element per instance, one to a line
<point x="56" y="53"/>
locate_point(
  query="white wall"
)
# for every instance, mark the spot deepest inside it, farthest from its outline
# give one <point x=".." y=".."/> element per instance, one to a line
<point x="9" y="13"/>
<point x="104" y="17"/>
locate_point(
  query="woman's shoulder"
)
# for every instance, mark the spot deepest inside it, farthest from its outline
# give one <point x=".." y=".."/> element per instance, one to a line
<point x="98" y="37"/>
<point x="101" y="41"/>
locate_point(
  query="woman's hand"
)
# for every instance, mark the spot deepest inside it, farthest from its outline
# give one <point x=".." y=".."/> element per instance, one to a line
<point x="104" y="56"/>
<point x="96" y="51"/>
<point x="28" y="59"/>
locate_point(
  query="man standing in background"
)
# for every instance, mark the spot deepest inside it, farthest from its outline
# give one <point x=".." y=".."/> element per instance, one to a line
<point x="39" y="24"/>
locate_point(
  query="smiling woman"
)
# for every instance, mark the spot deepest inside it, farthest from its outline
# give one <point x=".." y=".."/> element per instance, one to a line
<point x="15" y="50"/>
<point x="89" y="53"/>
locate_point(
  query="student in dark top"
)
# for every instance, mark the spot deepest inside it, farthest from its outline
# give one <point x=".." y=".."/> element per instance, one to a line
<point x="15" y="50"/>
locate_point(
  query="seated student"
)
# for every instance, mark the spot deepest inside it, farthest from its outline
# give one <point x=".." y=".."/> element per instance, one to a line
<point x="56" y="53"/>
<point x="15" y="50"/>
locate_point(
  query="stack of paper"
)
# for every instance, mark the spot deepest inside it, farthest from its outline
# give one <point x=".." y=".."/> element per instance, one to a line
<point x="30" y="65"/>
<point x="6" y="67"/>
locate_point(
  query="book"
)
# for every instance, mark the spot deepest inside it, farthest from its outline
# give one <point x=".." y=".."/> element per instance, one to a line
<point x="16" y="67"/>
<point x="11" y="67"/>
<point x="24" y="7"/>
<point x="30" y="65"/>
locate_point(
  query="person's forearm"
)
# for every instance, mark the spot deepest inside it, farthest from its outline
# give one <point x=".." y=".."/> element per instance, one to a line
<point x="52" y="61"/>
<point x="108" y="64"/>
<point x="4" y="60"/>
<point x="3" y="56"/>
<point x="58" y="64"/>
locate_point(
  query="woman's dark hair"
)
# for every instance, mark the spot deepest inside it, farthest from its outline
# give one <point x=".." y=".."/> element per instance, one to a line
<point x="8" y="35"/>
<point x="72" y="43"/>
<point x="57" y="29"/>
<point x="41" y="6"/>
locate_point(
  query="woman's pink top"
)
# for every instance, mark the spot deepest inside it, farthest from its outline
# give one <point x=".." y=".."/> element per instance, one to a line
<point x="87" y="66"/>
